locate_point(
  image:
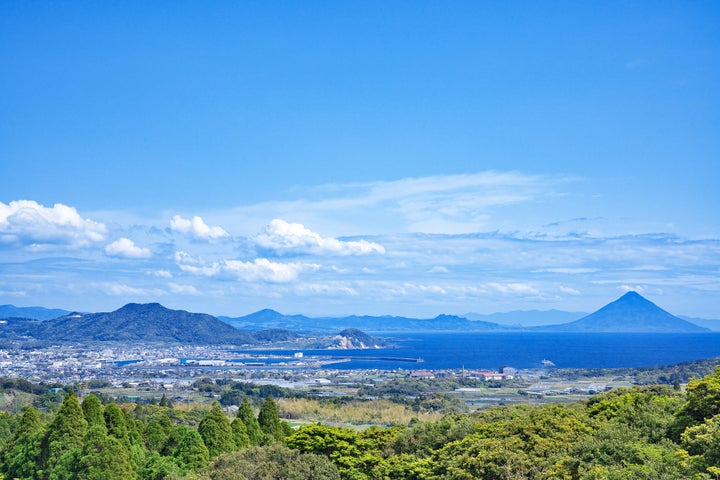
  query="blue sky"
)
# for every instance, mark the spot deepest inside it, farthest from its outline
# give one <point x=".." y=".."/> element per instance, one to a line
<point x="409" y="158"/>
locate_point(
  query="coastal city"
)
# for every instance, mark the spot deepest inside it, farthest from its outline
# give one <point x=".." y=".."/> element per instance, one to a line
<point x="152" y="370"/>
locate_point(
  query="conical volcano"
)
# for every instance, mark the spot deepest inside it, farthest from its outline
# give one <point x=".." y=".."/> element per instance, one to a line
<point x="631" y="313"/>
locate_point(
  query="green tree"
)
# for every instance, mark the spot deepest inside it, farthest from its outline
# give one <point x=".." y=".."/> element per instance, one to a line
<point x="186" y="446"/>
<point x="216" y="432"/>
<point x="703" y="402"/>
<point x="247" y="416"/>
<point x="240" y="433"/>
<point x="356" y="455"/>
<point x="157" y="467"/>
<point x="22" y="456"/>
<point x="166" y="402"/>
<point x="157" y="431"/>
<point x="103" y="457"/>
<point x="703" y="442"/>
<point x="116" y="424"/>
<point x="65" y="434"/>
<point x="272" y="462"/>
<point x="93" y="411"/>
<point x="269" y="420"/>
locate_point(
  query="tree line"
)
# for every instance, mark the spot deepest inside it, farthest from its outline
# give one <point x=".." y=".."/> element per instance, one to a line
<point x="648" y="432"/>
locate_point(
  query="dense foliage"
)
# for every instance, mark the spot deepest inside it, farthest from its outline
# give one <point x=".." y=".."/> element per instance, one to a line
<point x="649" y="432"/>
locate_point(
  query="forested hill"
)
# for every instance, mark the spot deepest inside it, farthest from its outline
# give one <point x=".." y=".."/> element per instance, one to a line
<point x="132" y="323"/>
<point x="145" y="322"/>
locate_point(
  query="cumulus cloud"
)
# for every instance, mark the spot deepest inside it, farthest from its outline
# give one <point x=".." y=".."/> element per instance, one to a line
<point x="261" y="269"/>
<point x="282" y="236"/>
<point x="124" y="247"/>
<point x="197" y="228"/>
<point x="196" y="266"/>
<point x="265" y="270"/>
<point x="28" y="223"/>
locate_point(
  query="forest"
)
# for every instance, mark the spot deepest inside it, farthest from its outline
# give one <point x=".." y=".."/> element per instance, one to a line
<point x="643" y="432"/>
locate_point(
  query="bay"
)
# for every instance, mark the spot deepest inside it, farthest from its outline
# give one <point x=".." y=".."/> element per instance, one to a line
<point x="527" y="350"/>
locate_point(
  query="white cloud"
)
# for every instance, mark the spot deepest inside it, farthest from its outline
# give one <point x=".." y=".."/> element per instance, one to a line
<point x="569" y="290"/>
<point x="444" y="204"/>
<point x="124" y="247"/>
<point x="569" y="270"/>
<point x="261" y="269"/>
<point x="28" y="223"/>
<point x="439" y="269"/>
<point x="265" y="270"/>
<point x="197" y="228"/>
<point x="630" y="288"/>
<point x="121" y="289"/>
<point x="183" y="289"/>
<point x="189" y="264"/>
<point x="336" y="288"/>
<point x="514" y="288"/>
<point x="161" y="273"/>
<point x="281" y="236"/>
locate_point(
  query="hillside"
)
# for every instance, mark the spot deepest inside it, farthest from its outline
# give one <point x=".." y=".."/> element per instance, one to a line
<point x="630" y="313"/>
<point x="144" y="323"/>
<point x="352" y="338"/>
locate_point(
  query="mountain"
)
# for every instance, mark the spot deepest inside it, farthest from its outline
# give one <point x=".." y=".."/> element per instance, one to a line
<point x="271" y="319"/>
<point x="527" y="318"/>
<point x="143" y="323"/>
<point x="266" y="319"/>
<point x="34" y="313"/>
<point x="713" y="325"/>
<point x="630" y="313"/>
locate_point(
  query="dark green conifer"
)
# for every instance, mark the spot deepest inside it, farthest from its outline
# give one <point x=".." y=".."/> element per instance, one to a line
<point x="186" y="446"/>
<point x="240" y="434"/>
<point x="93" y="411"/>
<point x="166" y="402"/>
<point x="269" y="419"/>
<point x="157" y="431"/>
<point x="215" y="431"/>
<point x="116" y="424"/>
<point x="247" y="416"/>
<point x="22" y="455"/>
<point x="103" y="457"/>
<point x="66" y="433"/>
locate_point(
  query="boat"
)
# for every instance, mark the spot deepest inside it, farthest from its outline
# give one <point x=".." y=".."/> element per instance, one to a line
<point x="547" y="363"/>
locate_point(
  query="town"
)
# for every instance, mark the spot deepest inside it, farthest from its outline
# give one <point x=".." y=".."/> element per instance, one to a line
<point x="144" y="372"/>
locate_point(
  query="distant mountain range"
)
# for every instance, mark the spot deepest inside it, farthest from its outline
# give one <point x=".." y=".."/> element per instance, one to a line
<point x="35" y="313"/>
<point x="381" y="324"/>
<point x="630" y="313"/>
<point x="154" y="323"/>
<point x="527" y="318"/>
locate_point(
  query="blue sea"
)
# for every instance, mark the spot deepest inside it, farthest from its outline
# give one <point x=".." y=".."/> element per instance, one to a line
<point x="527" y="350"/>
